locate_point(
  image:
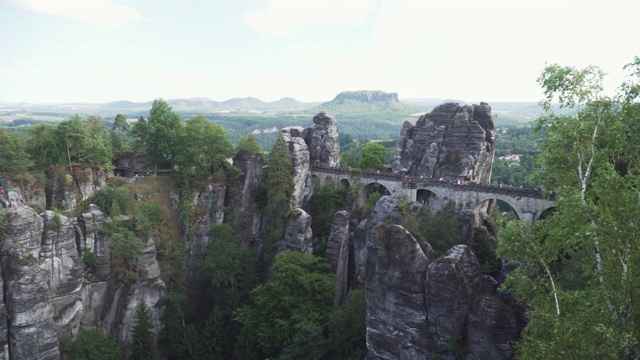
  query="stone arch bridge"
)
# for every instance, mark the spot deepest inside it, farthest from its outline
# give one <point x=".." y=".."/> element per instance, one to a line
<point x="527" y="203"/>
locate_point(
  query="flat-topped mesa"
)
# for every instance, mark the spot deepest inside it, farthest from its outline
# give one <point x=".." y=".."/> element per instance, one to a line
<point x="366" y="96"/>
<point x="452" y="142"/>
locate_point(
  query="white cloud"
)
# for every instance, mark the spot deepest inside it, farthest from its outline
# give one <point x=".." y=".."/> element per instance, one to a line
<point x="283" y="16"/>
<point x="100" y="13"/>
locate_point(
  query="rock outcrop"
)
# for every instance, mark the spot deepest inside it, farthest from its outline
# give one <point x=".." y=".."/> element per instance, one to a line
<point x="66" y="190"/>
<point x="50" y="293"/>
<point x="396" y="310"/>
<point x="323" y="142"/>
<point x="452" y="142"/>
<point x="337" y="254"/>
<point x="298" y="235"/>
<point x="299" y="151"/>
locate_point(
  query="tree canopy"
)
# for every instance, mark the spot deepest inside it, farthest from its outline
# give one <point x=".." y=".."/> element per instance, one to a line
<point x="162" y="133"/>
<point x="374" y="156"/>
<point x="577" y="268"/>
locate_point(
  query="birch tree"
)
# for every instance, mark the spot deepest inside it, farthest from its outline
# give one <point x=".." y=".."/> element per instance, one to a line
<point x="577" y="269"/>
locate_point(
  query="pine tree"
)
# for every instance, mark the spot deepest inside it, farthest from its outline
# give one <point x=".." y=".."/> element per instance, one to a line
<point x="279" y="184"/>
<point x="143" y="338"/>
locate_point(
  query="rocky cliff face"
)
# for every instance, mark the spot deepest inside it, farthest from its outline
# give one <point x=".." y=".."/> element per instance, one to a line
<point x="317" y="145"/>
<point x="452" y="142"/>
<point x="419" y="304"/>
<point x="300" y="157"/>
<point x="49" y="292"/>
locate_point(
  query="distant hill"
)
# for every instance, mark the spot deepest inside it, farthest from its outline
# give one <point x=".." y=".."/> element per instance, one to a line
<point x="364" y="102"/>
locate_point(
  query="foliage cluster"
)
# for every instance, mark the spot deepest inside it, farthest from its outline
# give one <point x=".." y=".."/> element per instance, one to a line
<point x="92" y="344"/>
<point x="113" y="201"/>
<point x="440" y="229"/>
<point x="326" y="201"/>
<point x="143" y="346"/>
<point x="577" y="270"/>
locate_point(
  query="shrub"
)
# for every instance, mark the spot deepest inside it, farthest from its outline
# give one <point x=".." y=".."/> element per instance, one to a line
<point x="91" y="259"/>
<point x="91" y="344"/>
<point x="113" y="201"/>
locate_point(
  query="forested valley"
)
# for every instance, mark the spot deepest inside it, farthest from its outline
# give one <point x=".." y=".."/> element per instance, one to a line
<point x="573" y="272"/>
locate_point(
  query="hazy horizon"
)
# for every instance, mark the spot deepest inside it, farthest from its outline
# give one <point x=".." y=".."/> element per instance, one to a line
<point x="100" y="51"/>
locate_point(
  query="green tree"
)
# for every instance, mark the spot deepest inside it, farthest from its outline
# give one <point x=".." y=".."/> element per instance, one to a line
<point x="99" y="151"/>
<point x="120" y="124"/>
<point x="249" y="144"/>
<point x="278" y="180"/>
<point x="91" y="344"/>
<point x="143" y="347"/>
<point x="348" y="329"/>
<point x="374" y="156"/>
<point x="74" y="135"/>
<point x="139" y="129"/>
<point x="229" y="269"/>
<point x="300" y="292"/>
<point x="173" y="334"/>
<point x="203" y="147"/>
<point x="577" y="270"/>
<point x="309" y="343"/>
<point x="45" y="146"/>
<point x="163" y="130"/>
<point x="15" y="160"/>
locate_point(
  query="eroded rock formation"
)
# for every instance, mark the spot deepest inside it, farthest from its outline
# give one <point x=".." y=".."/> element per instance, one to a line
<point x="452" y="142"/>
<point x="298" y="235"/>
<point x="50" y="293"/>
<point x="337" y="254"/>
<point x="324" y="146"/>
<point x="396" y="311"/>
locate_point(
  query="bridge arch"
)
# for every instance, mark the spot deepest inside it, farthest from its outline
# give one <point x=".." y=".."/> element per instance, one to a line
<point x="372" y="188"/>
<point x="546" y="213"/>
<point x="502" y="206"/>
<point x="315" y="181"/>
<point x="426" y="197"/>
<point x="328" y="181"/>
<point x="345" y="183"/>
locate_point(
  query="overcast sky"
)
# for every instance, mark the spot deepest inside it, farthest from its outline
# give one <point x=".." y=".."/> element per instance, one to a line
<point x="138" y="50"/>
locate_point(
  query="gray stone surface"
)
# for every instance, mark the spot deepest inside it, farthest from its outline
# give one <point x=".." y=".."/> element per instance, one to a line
<point x="298" y="234"/>
<point x="299" y="151"/>
<point x="31" y="329"/>
<point x="491" y="329"/>
<point x="323" y="142"/>
<point x="48" y="292"/>
<point x="337" y="254"/>
<point x="451" y="285"/>
<point x="395" y="287"/>
<point x="453" y="142"/>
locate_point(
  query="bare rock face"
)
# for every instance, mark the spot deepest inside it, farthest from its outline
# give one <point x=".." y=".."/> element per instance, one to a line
<point x="298" y="234"/>
<point x="453" y="142"/>
<point x="294" y="137"/>
<point x="251" y="166"/>
<point x="396" y="310"/>
<point x="337" y="254"/>
<point x="324" y="146"/>
<point x="452" y="283"/>
<point x="66" y="190"/>
<point x="491" y="328"/>
<point x="31" y="332"/>
<point x="60" y="259"/>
